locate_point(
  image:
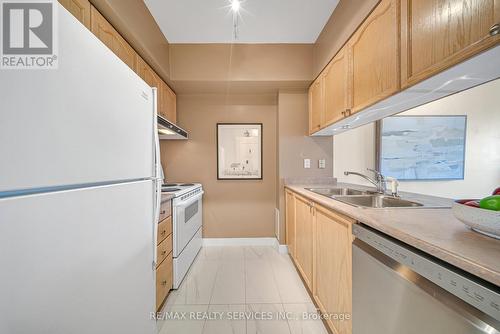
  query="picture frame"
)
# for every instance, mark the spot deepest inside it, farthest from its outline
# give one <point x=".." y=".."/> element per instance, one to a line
<point x="422" y="147"/>
<point x="239" y="151"/>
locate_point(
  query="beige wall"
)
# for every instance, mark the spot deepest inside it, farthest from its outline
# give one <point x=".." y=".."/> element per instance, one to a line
<point x="205" y="68"/>
<point x="346" y="17"/>
<point x="294" y="145"/>
<point x="231" y="208"/>
<point x="233" y="68"/>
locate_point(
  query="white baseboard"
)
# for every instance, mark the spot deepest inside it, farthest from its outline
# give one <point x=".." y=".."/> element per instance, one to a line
<point x="239" y="241"/>
<point x="277" y="223"/>
<point x="282" y="249"/>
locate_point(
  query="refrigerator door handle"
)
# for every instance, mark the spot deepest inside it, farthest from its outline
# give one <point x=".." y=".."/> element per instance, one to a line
<point x="158" y="177"/>
<point x="157" y="163"/>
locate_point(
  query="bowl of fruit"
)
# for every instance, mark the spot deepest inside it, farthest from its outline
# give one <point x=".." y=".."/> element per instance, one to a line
<point x="481" y="215"/>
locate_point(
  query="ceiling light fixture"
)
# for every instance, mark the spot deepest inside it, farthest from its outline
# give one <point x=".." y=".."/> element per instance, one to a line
<point x="235" y="6"/>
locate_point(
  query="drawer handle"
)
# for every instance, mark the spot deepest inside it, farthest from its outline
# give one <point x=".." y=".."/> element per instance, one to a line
<point x="164" y="282"/>
<point x="163" y="232"/>
<point x="163" y="212"/>
<point x="164" y="252"/>
<point x="495" y="29"/>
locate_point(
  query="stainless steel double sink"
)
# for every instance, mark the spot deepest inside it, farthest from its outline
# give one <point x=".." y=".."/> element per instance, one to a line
<point x="364" y="198"/>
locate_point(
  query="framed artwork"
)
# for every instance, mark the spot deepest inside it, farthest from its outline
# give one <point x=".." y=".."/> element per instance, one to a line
<point x="422" y="147"/>
<point x="239" y="151"/>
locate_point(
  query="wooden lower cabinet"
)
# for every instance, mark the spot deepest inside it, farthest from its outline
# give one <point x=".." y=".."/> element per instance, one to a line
<point x="323" y="257"/>
<point x="304" y="232"/>
<point x="332" y="287"/>
<point x="80" y="9"/>
<point x="163" y="249"/>
<point x="164" y="280"/>
<point x="164" y="229"/>
<point x="290" y="221"/>
<point x="164" y="260"/>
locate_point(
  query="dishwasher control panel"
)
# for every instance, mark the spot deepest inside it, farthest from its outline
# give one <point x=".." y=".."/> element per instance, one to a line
<point x="480" y="296"/>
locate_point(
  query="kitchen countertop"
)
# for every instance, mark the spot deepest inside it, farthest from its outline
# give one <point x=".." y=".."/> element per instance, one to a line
<point x="433" y="231"/>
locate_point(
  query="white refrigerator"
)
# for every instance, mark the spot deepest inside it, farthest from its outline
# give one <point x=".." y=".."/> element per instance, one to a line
<point x="79" y="193"/>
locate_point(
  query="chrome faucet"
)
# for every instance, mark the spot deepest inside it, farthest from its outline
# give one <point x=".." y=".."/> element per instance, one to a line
<point x="378" y="182"/>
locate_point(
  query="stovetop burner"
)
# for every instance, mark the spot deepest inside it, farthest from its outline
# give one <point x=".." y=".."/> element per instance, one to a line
<point x="168" y="190"/>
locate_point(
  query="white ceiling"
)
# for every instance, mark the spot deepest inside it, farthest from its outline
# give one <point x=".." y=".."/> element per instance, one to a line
<point x="261" y="21"/>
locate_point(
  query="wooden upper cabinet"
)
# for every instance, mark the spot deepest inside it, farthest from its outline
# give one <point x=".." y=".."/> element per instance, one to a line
<point x="147" y="74"/>
<point x="336" y="93"/>
<point x="333" y="266"/>
<point x="169" y="103"/>
<point x="304" y="238"/>
<point x="111" y="38"/>
<point x="316" y="105"/>
<point x="374" y="56"/>
<point x="80" y="9"/>
<point x="290" y="222"/>
<point x="167" y="100"/>
<point x="436" y="34"/>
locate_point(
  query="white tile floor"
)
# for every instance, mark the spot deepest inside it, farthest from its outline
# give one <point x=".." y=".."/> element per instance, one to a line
<point x="234" y="284"/>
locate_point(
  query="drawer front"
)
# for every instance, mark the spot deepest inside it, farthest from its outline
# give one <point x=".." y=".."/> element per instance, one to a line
<point x="164" y="248"/>
<point x="163" y="280"/>
<point x="165" y="209"/>
<point x="164" y="229"/>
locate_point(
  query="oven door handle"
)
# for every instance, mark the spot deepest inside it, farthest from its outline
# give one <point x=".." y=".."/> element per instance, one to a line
<point x="183" y="205"/>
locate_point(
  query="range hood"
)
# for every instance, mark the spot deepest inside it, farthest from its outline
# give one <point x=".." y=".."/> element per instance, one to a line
<point x="168" y="130"/>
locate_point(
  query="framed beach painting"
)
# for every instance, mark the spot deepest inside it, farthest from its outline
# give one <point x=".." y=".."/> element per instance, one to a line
<point x="422" y="147"/>
<point x="239" y="151"/>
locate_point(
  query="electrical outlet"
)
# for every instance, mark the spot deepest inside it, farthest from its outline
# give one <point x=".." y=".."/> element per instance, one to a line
<point x="321" y="163"/>
<point x="307" y="163"/>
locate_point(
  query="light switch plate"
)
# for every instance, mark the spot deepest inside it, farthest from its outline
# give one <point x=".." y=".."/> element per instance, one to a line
<point x="321" y="163"/>
<point x="307" y="163"/>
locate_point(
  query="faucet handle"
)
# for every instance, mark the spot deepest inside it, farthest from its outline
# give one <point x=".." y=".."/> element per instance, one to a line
<point x="376" y="172"/>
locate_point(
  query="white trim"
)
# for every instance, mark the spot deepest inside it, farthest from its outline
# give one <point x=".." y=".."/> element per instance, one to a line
<point x="282" y="249"/>
<point x="277" y="223"/>
<point x="239" y="242"/>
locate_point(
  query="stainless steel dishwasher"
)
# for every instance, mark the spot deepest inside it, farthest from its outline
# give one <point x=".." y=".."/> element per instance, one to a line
<point x="400" y="290"/>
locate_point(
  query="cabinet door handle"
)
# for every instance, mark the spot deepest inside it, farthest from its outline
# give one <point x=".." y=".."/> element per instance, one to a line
<point x="164" y="282"/>
<point x="348" y="112"/>
<point x="163" y="212"/>
<point x="495" y="29"/>
<point x="163" y="232"/>
<point x="343" y="113"/>
<point x="164" y="252"/>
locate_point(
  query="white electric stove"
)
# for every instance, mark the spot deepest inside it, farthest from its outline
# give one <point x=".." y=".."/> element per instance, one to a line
<point x="187" y="221"/>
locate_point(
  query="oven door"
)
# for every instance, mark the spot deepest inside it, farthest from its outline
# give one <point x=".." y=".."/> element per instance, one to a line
<point x="187" y="221"/>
